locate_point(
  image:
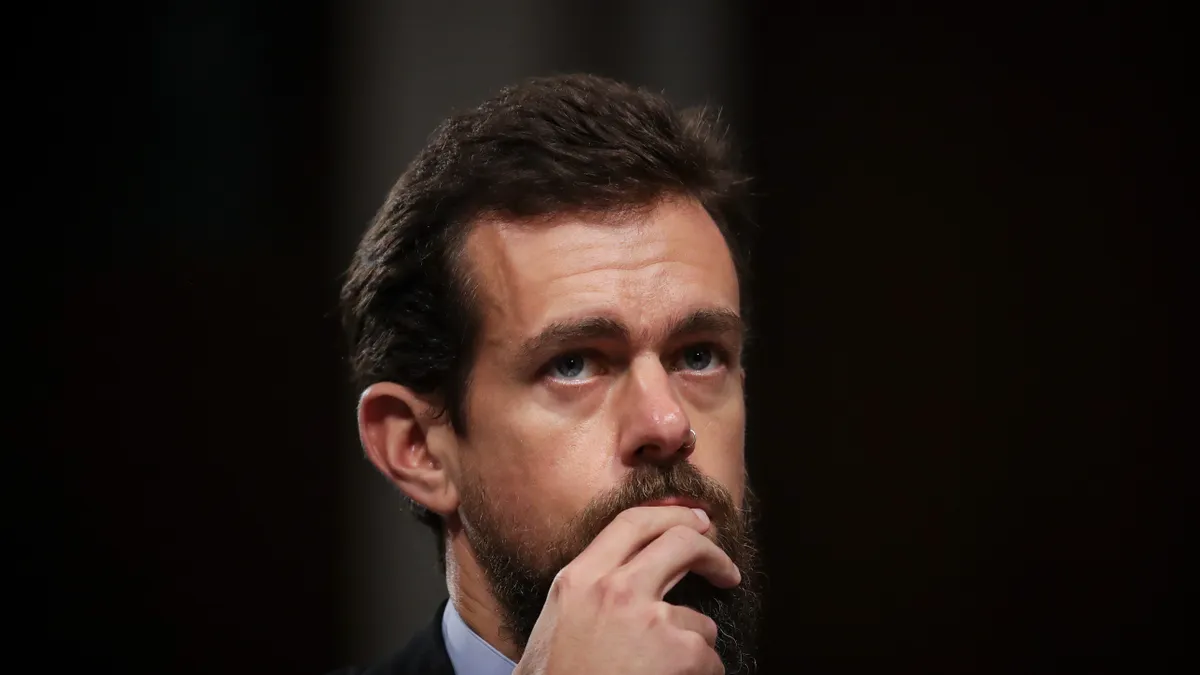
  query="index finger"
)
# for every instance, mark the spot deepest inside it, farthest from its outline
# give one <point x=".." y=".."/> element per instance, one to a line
<point x="630" y="532"/>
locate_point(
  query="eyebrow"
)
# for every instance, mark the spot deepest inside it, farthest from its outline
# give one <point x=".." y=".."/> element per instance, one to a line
<point x="562" y="334"/>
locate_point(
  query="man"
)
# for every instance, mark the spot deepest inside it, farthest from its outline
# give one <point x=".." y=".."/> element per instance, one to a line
<point x="547" y="321"/>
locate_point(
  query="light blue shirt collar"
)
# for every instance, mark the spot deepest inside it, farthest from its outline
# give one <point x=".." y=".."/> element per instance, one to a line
<point x="469" y="653"/>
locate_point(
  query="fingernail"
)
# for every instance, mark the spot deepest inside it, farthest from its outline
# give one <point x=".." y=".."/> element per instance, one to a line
<point x="701" y="515"/>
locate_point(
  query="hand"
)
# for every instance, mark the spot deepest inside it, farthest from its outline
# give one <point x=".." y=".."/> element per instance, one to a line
<point x="606" y="614"/>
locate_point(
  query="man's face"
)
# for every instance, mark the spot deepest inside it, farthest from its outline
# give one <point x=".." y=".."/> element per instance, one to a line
<point x="604" y="340"/>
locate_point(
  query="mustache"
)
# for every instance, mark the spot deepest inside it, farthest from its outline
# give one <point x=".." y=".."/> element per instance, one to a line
<point x="653" y="482"/>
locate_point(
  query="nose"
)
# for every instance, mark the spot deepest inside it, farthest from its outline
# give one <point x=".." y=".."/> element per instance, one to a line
<point x="655" y="427"/>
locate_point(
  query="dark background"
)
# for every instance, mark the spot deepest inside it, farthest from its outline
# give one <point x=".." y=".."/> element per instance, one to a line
<point x="957" y="397"/>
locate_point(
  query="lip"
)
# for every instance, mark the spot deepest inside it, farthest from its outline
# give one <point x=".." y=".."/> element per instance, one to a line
<point x="679" y="501"/>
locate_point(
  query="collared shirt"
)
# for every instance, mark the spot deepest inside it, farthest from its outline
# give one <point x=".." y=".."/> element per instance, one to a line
<point x="469" y="653"/>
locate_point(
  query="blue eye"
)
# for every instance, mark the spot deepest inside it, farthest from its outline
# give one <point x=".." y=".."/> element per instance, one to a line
<point x="568" y="366"/>
<point x="699" y="358"/>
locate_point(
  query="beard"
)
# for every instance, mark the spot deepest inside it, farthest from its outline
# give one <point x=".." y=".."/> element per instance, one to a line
<point x="521" y="572"/>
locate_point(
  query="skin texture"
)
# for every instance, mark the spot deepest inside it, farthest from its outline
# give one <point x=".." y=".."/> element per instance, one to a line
<point x="547" y="434"/>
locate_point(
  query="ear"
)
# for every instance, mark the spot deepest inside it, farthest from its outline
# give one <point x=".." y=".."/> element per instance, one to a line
<point x="394" y="425"/>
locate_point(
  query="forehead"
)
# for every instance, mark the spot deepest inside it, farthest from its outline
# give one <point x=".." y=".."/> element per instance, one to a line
<point x="642" y="268"/>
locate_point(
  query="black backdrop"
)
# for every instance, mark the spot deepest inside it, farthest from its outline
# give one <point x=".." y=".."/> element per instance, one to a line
<point x="962" y="363"/>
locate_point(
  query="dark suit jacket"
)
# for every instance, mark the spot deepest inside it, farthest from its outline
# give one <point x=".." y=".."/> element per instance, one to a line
<point x="425" y="654"/>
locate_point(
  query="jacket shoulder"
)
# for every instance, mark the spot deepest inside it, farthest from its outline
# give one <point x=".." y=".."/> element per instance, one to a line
<point x="425" y="654"/>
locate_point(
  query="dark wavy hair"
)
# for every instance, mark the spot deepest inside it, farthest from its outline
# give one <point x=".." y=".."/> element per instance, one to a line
<point x="550" y="145"/>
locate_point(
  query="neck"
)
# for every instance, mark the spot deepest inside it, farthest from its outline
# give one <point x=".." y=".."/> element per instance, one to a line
<point x="472" y="597"/>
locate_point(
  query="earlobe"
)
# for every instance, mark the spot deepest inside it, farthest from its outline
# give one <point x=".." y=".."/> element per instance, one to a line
<point x="394" y="425"/>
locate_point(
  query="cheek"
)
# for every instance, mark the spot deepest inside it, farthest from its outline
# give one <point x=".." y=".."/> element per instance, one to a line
<point x="537" y="468"/>
<point x="722" y="455"/>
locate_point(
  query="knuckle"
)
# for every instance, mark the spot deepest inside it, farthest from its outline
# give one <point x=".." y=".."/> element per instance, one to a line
<point x="682" y="535"/>
<point x="627" y="518"/>
<point x="695" y="655"/>
<point x="660" y="615"/>
<point x="694" y="644"/>
<point x="614" y="590"/>
<point x="564" y="582"/>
